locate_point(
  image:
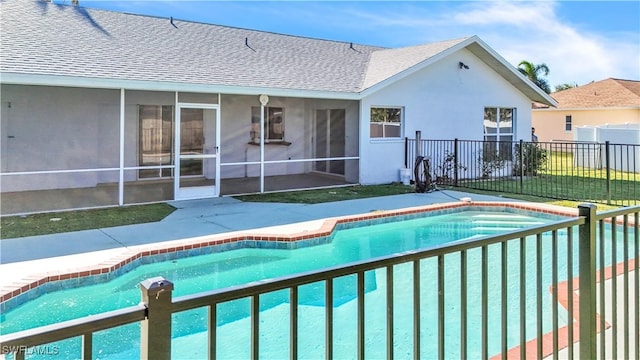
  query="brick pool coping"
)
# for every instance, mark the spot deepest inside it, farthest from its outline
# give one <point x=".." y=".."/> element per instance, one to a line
<point x="328" y="226"/>
<point x="566" y="336"/>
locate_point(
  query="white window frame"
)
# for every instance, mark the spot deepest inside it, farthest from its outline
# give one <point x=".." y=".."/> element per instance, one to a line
<point x="400" y="123"/>
<point x="254" y="132"/>
<point x="499" y="135"/>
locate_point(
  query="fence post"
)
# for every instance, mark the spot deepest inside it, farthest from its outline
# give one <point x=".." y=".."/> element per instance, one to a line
<point x="155" y="332"/>
<point x="455" y="162"/>
<point x="587" y="281"/>
<point x="406" y="152"/>
<point x="521" y="162"/>
<point x="608" y="170"/>
<point x="418" y="143"/>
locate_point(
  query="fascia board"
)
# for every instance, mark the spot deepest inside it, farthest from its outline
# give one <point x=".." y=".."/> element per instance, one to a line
<point x="85" y="82"/>
<point x="513" y="70"/>
<point x="403" y="74"/>
<point x="463" y="44"/>
<point x="560" y="109"/>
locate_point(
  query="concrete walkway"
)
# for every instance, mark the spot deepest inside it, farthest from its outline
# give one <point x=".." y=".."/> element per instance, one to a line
<point x="209" y="216"/>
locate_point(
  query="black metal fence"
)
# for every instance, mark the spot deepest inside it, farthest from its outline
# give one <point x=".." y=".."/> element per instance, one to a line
<point x="597" y="172"/>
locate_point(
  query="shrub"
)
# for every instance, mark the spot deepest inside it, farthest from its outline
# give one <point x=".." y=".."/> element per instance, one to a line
<point x="533" y="158"/>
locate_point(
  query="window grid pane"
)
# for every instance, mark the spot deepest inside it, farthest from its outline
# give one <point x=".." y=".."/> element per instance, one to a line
<point x="385" y="122"/>
<point x="273" y="124"/>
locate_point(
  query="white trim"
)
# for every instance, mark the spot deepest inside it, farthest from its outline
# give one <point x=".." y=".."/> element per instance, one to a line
<point x="195" y="192"/>
<point x="203" y="156"/>
<point x="290" y="161"/>
<point x="607" y="108"/>
<point x="41" y="172"/>
<point x="122" y="124"/>
<point x="461" y="45"/>
<point x="262" y="147"/>
<point x="176" y="147"/>
<point x="101" y="83"/>
<point x="413" y="69"/>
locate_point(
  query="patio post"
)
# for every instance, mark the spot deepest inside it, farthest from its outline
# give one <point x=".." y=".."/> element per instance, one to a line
<point x="155" y="330"/>
<point x="587" y="281"/>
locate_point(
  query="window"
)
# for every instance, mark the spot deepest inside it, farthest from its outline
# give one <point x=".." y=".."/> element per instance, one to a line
<point x="385" y="122"/>
<point x="156" y="140"/>
<point x="498" y="132"/>
<point x="273" y="124"/>
<point x="567" y="123"/>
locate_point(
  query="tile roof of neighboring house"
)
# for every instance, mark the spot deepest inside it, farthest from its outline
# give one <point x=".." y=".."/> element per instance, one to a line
<point x="600" y="94"/>
<point x="55" y="43"/>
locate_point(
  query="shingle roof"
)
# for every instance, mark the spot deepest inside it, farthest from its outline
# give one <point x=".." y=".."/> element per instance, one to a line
<point x="600" y="94"/>
<point x="78" y="45"/>
<point x="52" y="39"/>
<point x="389" y="62"/>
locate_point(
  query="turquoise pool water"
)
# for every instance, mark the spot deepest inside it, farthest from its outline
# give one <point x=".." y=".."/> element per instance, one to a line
<point x="200" y="273"/>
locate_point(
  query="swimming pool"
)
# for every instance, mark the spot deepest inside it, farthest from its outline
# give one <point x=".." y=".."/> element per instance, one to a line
<point x="351" y="243"/>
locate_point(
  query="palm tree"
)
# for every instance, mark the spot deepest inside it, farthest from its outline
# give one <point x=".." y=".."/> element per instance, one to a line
<point x="532" y="72"/>
<point x="565" y="86"/>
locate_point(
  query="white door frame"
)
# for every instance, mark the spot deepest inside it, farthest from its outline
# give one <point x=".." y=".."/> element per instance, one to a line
<point x="196" y="192"/>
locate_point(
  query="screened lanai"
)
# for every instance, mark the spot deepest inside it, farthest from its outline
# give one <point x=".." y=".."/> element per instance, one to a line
<point x="70" y="148"/>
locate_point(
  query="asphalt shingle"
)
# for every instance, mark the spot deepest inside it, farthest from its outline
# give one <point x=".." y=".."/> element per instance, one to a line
<point x="43" y="38"/>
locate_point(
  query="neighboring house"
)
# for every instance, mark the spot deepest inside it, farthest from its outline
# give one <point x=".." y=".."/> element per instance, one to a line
<point x="104" y="108"/>
<point x="605" y="102"/>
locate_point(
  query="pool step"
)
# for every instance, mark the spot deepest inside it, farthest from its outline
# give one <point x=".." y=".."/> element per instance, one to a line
<point x="493" y="229"/>
<point x="501" y="216"/>
<point x="515" y="222"/>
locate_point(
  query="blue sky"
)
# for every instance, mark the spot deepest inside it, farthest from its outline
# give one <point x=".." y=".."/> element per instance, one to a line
<point x="580" y="41"/>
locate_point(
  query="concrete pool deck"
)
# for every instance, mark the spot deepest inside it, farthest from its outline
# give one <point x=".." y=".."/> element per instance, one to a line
<point x="24" y="261"/>
<point x="29" y="258"/>
<point x="194" y="218"/>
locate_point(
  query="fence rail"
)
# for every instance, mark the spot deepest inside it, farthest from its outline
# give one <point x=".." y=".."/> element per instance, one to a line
<point x="596" y="172"/>
<point x="505" y="284"/>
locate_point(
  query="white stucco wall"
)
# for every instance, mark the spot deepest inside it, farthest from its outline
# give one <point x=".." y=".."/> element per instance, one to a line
<point x="54" y="128"/>
<point x="443" y="102"/>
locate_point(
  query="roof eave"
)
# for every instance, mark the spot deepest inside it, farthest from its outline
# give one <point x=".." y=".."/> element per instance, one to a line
<point x="101" y="83"/>
<point x="509" y="72"/>
<point x="484" y="53"/>
<point x="601" y="108"/>
<point x="411" y="70"/>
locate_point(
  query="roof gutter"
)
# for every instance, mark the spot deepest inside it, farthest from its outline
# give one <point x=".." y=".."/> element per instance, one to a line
<point x="543" y="97"/>
<point x="101" y="83"/>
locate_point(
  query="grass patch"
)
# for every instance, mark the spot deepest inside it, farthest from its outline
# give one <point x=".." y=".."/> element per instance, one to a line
<point x="532" y="198"/>
<point x="58" y="222"/>
<point x="328" y="195"/>
<point x="576" y="188"/>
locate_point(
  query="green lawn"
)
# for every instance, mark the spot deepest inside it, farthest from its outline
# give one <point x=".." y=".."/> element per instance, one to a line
<point x="51" y="223"/>
<point x="57" y="222"/>
<point x="561" y="179"/>
<point x="332" y="194"/>
<point x="562" y="164"/>
<point x="623" y="192"/>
